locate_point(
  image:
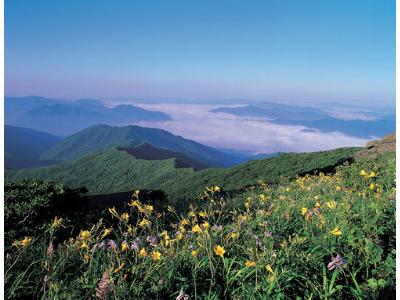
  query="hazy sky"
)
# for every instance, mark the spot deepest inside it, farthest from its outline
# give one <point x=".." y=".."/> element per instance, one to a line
<point x="273" y="50"/>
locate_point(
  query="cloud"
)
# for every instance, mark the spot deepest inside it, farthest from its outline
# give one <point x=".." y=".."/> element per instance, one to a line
<point x="220" y="130"/>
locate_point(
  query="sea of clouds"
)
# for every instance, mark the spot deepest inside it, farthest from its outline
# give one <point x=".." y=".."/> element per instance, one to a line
<point x="221" y="130"/>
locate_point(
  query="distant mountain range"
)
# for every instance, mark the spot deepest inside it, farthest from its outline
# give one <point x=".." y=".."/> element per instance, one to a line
<point x="26" y="148"/>
<point x="23" y="147"/>
<point x="63" y="118"/>
<point x="315" y="119"/>
<point x="101" y="137"/>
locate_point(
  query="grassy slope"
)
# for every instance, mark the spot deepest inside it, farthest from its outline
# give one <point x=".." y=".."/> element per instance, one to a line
<point x="289" y="232"/>
<point x="117" y="171"/>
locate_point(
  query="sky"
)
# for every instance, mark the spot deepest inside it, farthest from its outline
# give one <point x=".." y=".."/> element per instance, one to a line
<point x="293" y="51"/>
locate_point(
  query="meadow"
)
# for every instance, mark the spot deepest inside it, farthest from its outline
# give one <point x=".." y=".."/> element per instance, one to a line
<point x="322" y="236"/>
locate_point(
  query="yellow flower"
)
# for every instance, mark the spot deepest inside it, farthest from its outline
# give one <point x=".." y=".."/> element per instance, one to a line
<point x="26" y="241"/>
<point x="113" y="211"/>
<point x="179" y="236"/>
<point x="56" y="222"/>
<point x="233" y="235"/>
<point x="304" y="210"/>
<point x="84" y="235"/>
<point x="185" y="222"/>
<point x="125" y="216"/>
<point x="144" y="223"/>
<point x="130" y="229"/>
<point x="372" y="175"/>
<point x="331" y="204"/>
<point x="191" y="214"/>
<point x="219" y="251"/>
<point x="338" y="188"/>
<point x="84" y="245"/>
<point x="196" y="229"/>
<point x="106" y="232"/>
<point x="217" y="188"/>
<point x="194" y="253"/>
<point x="135" y="203"/>
<point x="317" y="204"/>
<point x="363" y="173"/>
<point x="203" y="214"/>
<point x="119" y="268"/>
<point x="336" y="231"/>
<point x="124" y="246"/>
<point x="149" y="208"/>
<point x="156" y="255"/>
<point x="250" y="263"/>
<point x="263" y="198"/>
<point x="86" y="256"/>
<point x="372" y="186"/>
<point x="205" y="225"/>
<point x="269" y="269"/>
<point x="143" y="252"/>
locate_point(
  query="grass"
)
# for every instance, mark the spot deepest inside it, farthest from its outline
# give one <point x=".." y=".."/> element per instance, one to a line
<point x="117" y="171"/>
<point x="317" y="236"/>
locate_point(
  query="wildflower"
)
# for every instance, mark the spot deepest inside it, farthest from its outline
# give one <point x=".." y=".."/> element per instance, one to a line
<point x="149" y="208"/>
<point x="144" y="223"/>
<point x="216" y="228"/>
<point x="269" y="269"/>
<point x="372" y="175"/>
<point x="136" y="244"/>
<point x="338" y="188"/>
<point x="217" y="188"/>
<point x="194" y="253"/>
<point x="336" y="262"/>
<point x="372" y="186"/>
<point x="336" y="231"/>
<point x="125" y="217"/>
<point x="152" y="240"/>
<point x="363" y="173"/>
<point x="135" y="203"/>
<point x="143" y="252"/>
<point x="304" y="210"/>
<point x="56" y="222"/>
<point x="130" y="229"/>
<point x="263" y="198"/>
<point x="185" y="222"/>
<point x="203" y="214"/>
<point x="205" y="225"/>
<point x="331" y="204"/>
<point x="182" y="296"/>
<point x="156" y="255"/>
<point x="196" y="229"/>
<point x="84" y="235"/>
<point x="267" y="234"/>
<point x="124" y="246"/>
<point x="106" y="232"/>
<point x="86" y="256"/>
<point x="119" y="268"/>
<point x="191" y="214"/>
<point x="233" y="235"/>
<point x="250" y="263"/>
<point x="113" y="212"/>
<point x="219" y="251"/>
<point x="84" y="245"/>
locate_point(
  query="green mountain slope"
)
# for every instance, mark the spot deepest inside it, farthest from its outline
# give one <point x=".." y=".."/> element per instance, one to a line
<point x="23" y="146"/>
<point x="101" y="137"/>
<point x="118" y="171"/>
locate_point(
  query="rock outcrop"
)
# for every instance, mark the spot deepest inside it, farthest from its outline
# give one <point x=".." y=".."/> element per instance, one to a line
<point x="374" y="148"/>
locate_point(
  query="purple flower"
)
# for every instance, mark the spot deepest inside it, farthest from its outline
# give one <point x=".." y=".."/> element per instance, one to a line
<point x="267" y="234"/>
<point x="336" y="262"/>
<point x="153" y="240"/>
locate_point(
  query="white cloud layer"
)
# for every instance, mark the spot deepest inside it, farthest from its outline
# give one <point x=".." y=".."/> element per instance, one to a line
<point x="222" y="130"/>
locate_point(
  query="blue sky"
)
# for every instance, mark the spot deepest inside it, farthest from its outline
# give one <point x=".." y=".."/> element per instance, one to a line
<point x="342" y="50"/>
